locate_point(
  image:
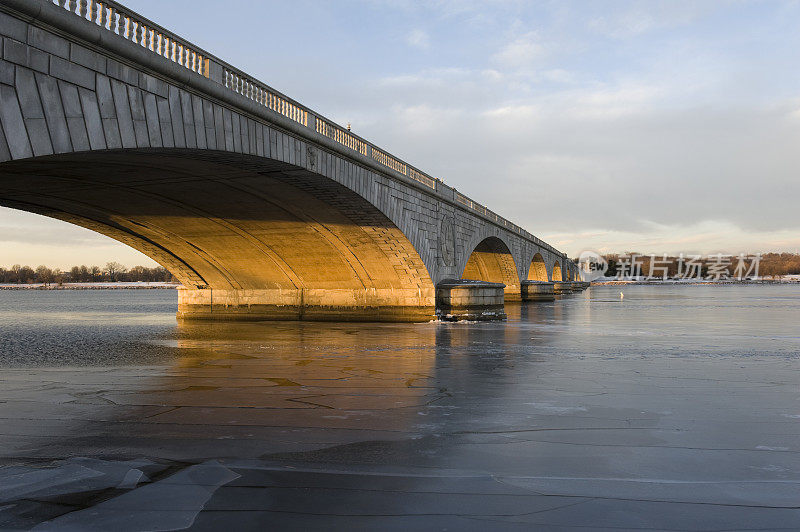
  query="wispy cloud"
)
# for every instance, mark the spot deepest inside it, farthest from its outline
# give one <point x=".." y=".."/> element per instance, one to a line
<point x="521" y="53"/>
<point x="418" y="39"/>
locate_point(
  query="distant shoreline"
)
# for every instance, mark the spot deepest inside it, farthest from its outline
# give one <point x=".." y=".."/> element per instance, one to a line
<point x="92" y="286"/>
<point x="670" y="282"/>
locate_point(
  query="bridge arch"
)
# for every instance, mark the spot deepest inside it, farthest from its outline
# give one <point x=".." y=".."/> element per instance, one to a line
<point x="557" y="274"/>
<point x="246" y="236"/>
<point x="491" y="260"/>
<point x="538" y="269"/>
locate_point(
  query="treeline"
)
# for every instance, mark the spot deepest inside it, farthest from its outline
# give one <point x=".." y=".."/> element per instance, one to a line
<point x="780" y="264"/>
<point x="111" y="272"/>
<point x="765" y="265"/>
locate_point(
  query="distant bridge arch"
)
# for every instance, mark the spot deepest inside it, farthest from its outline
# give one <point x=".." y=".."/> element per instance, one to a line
<point x="557" y="274"/>
<point x="538" y="269"/>
<point x="491" y="260"/>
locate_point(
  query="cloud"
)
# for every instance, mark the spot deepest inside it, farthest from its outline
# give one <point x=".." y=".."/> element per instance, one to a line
<point x="704" y="238"/>
<point x="623" y="160"/>
<point x="418" y="39"/>
<point x="522" y="53"/>
<point x="634" y="19"/>
<point x="31" y="239"/>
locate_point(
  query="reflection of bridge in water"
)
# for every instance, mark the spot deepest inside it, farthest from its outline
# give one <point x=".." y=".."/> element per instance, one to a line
<point x="261" y="207"/>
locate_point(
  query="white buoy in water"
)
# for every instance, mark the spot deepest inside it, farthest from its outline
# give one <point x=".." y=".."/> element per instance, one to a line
<point x="621" y="295"/>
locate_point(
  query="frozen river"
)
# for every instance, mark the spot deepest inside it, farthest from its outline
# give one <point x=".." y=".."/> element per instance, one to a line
<point x="675" y="408"/>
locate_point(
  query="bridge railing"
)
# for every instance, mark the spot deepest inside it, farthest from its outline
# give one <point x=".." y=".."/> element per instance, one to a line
<point x="334" y="132"/>
<point x="118" y="19"/>
<point x="131" y="26"/>
<point x="261" y="94"/>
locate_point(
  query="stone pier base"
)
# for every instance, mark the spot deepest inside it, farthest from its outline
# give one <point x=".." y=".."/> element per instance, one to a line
<point x="537" y="291"/>
<point x="562" y="287"/>
<point x="403" y="305"/>
<point x="462" y="299"/>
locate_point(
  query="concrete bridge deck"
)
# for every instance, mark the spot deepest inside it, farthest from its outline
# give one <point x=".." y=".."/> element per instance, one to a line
<point x="260" y="206"/>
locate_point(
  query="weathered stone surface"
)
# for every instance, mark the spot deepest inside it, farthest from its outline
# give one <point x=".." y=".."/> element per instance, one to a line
<point x="71" y="72"/>
<point x="140" y="128"/>
<point x="94" y="124"/>
<point x="187" y="112"/>
<point x="562" y="287"/>
<point x="470" y="300"/>
<point x="47" y="41"/>
<point x="121" y="72"/>
<point x="537" y="291"/>
<point x="39" y="136"/>
<point x="153" y="124"/>
<point x="28" y="94"/>
<point x="6" y="73"/>
<point x="15" y="52"/>
<point x="54" y="112"/>
<point x="11" y="116"/>
<point x="4" y="145"/>
<point x="13" y="27"/>
<point x="74" y="114"/>
<point x="23" y="55"/>
<point x="165" y="123"/>
<point x="176" y="118"/>
<point x="409" y="305"/>
<point x="88" y="58"/>
<point x="123" y="112"/>
<point x="153" y="85"/>
<point x="199" y="122"/>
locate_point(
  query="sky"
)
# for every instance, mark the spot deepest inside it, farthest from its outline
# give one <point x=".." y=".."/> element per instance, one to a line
<point x="650" y="126"/>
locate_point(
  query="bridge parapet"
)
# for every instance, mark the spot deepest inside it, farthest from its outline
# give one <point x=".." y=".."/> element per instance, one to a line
<point x="133" y="27"/>
<point x="115" y="19"/>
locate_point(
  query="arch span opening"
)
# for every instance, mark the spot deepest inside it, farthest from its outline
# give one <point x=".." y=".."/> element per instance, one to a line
<point x="557" y="275"/>
<point x="491" y="261"/>
<point x="538" y="269"/>
<point x="248" y="237"/>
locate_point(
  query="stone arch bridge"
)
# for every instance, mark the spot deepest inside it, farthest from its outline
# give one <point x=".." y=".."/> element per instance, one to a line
<point x="261" y="207"/>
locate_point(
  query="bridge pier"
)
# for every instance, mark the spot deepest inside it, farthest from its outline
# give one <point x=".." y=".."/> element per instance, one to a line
<point x="562" y="287"/>
<point x="537" y="291"/>
<point x="392" y="305"/>
<point x="463" y="299"/>
<point x="569" y="287"/>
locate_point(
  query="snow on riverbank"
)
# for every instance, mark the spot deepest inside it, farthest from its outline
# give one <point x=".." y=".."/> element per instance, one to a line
<point x="88" y="286"/>
<point x="787" y="279"/>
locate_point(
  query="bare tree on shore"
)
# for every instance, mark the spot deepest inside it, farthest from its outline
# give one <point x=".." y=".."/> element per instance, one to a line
<point x="113" y="271"/>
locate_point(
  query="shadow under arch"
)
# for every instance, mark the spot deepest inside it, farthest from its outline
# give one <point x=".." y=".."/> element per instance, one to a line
<point x="236" y="230"/>
<point x="538" y="269"/>
<point x="557" y="275"/>
<point x="492" y="261"/>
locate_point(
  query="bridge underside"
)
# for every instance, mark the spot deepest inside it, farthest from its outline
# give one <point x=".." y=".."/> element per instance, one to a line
<point x="247" y="237"/>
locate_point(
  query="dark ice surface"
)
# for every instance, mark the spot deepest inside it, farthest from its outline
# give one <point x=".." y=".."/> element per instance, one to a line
<point x="675" y="408"/>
